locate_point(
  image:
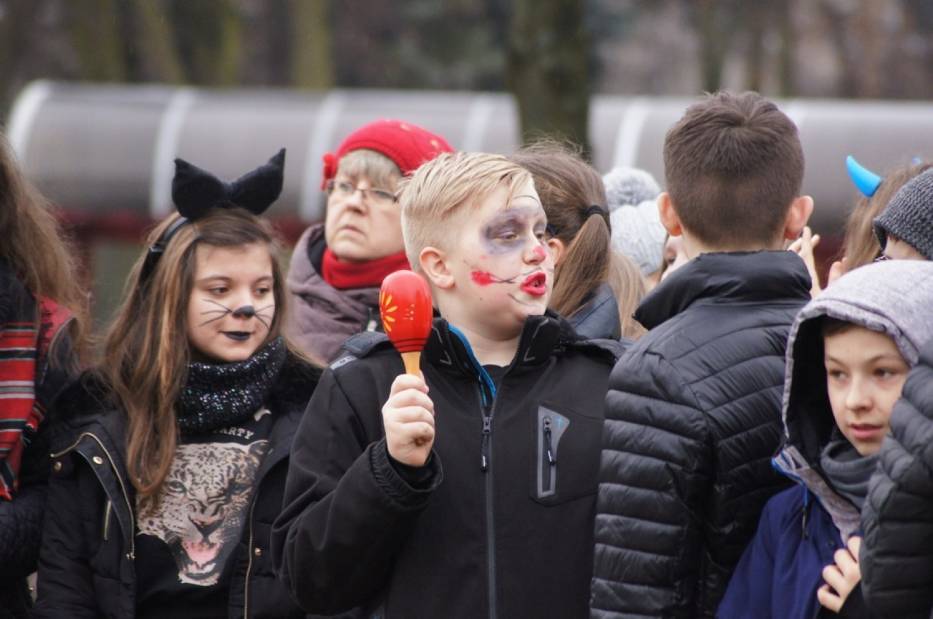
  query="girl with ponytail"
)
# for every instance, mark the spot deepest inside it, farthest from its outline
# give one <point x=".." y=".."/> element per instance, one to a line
<point x="595" y="288"/>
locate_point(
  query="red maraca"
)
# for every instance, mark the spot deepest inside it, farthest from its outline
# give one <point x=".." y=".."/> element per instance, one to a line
<point x="407" y="313"/>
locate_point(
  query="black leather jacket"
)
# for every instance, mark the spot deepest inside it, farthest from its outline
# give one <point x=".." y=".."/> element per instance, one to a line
<point x="86" y="563"/>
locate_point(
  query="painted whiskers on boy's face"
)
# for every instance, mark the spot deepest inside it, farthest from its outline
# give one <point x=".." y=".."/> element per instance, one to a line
<point x="232" y="304"/>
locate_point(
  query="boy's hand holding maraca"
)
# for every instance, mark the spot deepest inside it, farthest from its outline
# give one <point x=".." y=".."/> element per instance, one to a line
<point x="408" y="414"/>
<point x="408" y="417"/>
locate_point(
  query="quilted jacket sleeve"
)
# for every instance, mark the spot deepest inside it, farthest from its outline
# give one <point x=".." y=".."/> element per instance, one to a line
<point x="897" y="548"/>
<point x="655" y="476"/>
<point x="346" y="510"/>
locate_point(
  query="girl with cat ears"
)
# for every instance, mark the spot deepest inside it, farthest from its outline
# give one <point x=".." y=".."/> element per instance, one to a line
<point x="164" y="492"/>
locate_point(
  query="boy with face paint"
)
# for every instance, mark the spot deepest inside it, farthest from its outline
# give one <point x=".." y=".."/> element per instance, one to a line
<point x="468" y="490"/>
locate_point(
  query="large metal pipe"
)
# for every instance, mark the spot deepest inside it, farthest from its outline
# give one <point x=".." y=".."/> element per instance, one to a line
<point x="105" y="148"/>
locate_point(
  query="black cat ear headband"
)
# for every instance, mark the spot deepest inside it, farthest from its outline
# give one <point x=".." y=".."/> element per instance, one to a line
<point x="195" y="192"/>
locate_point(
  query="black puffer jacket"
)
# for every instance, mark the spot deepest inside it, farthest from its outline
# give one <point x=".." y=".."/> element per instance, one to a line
<point x="897" y="520"/>
<point x="86" y="563"/>
<point x="498" y="524"/>
<point x="693" y="418"/>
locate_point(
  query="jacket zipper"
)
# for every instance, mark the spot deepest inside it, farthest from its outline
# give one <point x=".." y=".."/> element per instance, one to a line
<point x="487" y="412"/>
<point x="372" y="322"/>
<point x="249" y="563"/>
<point x="107" y="519"/>
<point x="131" y="555"/>
<point x="549" y="462"/>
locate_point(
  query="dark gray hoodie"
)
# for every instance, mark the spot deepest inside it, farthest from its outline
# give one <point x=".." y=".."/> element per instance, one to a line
<point x="894" y="298"/>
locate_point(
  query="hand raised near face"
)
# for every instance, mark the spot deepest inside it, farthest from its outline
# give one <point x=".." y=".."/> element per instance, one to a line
<point x="804" y="247"/>
<point x="841" y="577"/>
<point x="408" y="417"/>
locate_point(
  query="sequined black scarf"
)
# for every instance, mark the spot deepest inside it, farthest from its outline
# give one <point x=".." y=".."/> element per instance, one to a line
<point x="224" y="394"/>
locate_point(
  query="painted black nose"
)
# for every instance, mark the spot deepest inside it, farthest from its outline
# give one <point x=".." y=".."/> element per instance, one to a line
<point x="247" y="311"/>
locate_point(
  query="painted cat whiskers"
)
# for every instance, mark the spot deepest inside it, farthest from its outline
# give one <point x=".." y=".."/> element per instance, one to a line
<point x="246" y="311"/>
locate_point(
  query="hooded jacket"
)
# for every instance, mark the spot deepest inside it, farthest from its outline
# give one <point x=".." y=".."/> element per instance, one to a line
<point x="692" y="421"/>
<point x="498" y="523"/>
<point x="86" y="563"/>
<point x="321" y="317"/>
<point x="897" y="519"/>
<point x="802" y="527"/>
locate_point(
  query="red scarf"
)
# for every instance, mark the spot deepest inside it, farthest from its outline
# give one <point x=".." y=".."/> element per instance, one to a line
<point x="23" y="349"/>
<point x="345" y="275"/>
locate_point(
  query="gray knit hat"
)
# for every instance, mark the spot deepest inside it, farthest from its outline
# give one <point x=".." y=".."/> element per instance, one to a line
<point x="909" y="215"/>
<point x="629" y="186"/>
<point x="637" y="231"/>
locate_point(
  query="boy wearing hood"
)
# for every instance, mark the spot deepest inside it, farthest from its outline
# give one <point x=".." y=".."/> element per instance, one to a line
<point x="849" y="353"/>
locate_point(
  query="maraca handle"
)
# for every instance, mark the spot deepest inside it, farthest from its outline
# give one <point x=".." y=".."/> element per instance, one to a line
<point x="412" y="361"/>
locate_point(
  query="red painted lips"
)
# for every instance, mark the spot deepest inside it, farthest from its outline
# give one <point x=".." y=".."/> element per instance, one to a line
<point x="535" y="284"/>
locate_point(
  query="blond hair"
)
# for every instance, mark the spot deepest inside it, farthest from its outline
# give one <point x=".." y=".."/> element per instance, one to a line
<point x="146" y="350"/>
<point x="436" y="192"/>
<point x="378" y="169"/>
<point x="629" y="286"/>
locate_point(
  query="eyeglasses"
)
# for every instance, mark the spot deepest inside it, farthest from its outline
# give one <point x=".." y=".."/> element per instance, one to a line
<point x="374" y="195"/>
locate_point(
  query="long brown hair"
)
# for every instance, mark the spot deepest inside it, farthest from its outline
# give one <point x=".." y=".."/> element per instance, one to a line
<point x="33" y="244"/>
<point x="568" y="188"/>
<point x="146" y="350"/>
<point x="861" y="246"/>
<point x="630" y="288"/>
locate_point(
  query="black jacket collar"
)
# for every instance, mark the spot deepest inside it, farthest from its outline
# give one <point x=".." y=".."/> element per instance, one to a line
<point x="599" y="316"/>
<point x="731" y="277"/>
<point x="541" y="337"/>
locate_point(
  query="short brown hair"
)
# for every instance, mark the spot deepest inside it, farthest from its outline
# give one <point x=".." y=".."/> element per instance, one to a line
<point x="433" y="196"/>
<point x="733" y="166"/>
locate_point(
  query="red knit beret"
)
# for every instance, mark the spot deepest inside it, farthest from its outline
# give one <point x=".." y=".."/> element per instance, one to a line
<point x="405" y="144"/>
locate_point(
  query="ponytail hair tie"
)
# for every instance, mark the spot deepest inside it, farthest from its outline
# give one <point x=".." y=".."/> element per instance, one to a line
<point x="595" y="210"/>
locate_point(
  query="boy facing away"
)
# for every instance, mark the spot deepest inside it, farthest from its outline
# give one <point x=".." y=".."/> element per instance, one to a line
<point x="693" y="411"/>
<point x="470" y="491"/>
<point x="848" y="355"/>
